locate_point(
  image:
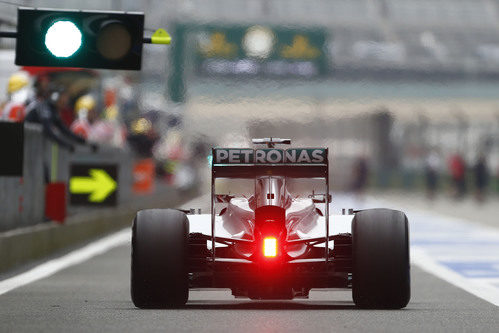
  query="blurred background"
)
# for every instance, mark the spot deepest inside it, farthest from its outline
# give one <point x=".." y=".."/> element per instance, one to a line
<point x="405" y="93"/>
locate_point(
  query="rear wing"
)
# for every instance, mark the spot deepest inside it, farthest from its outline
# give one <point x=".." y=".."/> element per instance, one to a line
<point x="249" y="163"/>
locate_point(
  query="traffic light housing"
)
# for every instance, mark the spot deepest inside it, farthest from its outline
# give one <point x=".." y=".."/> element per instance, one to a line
<point x="74" y="38"/>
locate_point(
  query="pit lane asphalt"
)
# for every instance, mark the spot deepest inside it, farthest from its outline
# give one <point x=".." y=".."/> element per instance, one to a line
<point x="94" y="296"/>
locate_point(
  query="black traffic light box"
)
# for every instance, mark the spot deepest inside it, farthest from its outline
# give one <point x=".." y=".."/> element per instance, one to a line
<point x="74" y="38"/>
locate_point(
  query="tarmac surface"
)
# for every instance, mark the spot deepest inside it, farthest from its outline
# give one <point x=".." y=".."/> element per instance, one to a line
<point x="94" y="296"/>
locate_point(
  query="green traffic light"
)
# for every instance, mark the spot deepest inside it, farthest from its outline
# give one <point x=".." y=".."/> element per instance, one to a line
<point x="79" y="38"/>
<point x="63" y="39"/>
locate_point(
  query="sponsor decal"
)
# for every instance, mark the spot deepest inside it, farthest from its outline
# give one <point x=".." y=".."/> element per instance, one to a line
<point x="270" y="156"/>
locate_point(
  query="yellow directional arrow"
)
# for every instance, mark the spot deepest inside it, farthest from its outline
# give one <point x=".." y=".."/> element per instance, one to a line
<point x="99" y="185"/>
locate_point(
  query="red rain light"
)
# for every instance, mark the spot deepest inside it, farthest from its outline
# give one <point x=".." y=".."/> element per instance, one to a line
<point x="270" y="247"/>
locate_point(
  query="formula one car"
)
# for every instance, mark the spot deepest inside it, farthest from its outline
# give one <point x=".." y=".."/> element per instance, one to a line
<point x="270" y="243"/>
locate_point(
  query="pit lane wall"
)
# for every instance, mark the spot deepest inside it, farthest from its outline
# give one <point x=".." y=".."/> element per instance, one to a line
<point x="26" y="234"/>
<point x="22" y="199"/>
<point x="22" y="246"/>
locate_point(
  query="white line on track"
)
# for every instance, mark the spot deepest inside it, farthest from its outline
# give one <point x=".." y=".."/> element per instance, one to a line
<point x="73" y="258"/>
<point x="78" y="256"/>
<point x="480" y="289"/>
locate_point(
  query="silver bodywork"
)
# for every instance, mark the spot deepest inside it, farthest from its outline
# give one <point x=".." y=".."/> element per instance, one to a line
<point x="304" y="219"/>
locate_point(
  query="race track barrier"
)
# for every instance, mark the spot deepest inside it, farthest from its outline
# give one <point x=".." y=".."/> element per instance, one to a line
<point x="23" y="235"/>
<point x="22" y="199"/>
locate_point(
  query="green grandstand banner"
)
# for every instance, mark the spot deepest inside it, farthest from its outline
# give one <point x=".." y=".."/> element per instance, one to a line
<point x="260" y="51"/>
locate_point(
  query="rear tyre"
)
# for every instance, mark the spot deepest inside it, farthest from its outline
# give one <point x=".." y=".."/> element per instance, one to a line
<point x="381" y="271"/>
<point x="159" y="277"/>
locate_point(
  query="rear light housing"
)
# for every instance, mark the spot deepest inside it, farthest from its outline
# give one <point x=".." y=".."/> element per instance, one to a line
<point x="270" y="233"/>
<point x="270" y="247"/>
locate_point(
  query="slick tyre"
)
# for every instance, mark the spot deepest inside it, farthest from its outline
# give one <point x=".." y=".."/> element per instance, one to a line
<point x="159" y="277"/>
<point x="380" y="250"/>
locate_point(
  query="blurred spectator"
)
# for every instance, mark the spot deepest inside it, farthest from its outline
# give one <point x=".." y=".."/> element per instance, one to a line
<point x="457" y="168"/>
<point x="481" y="177"/>
<point x="360" y="174"/>
<point x="42" y="87"/>
<point x="85" y="111"/>
<point x="44" y="112"/>
<point x="18" y="91"/>
<point x="143" y="137"/>
<point x="110" y="129"/>
<point x="64" y="109"/>
<point x="432" y="168"/>
<point x="109" y="97"/>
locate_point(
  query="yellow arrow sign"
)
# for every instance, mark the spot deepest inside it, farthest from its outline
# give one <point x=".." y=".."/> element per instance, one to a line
<point x="99" y="185"/>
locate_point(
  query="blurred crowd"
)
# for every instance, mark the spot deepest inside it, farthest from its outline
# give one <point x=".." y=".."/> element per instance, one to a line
<point x="450" y="174"/>
<point x="77" y="107"/>
<point x="69" y="116"/>
<point x="463" y="178"/>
